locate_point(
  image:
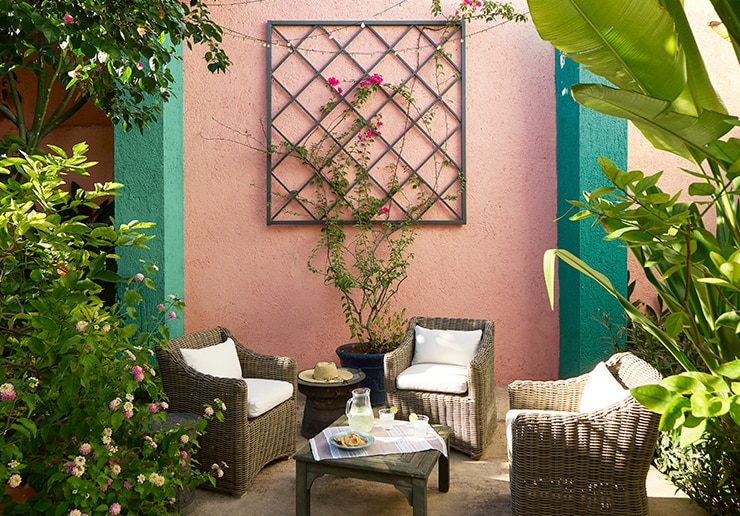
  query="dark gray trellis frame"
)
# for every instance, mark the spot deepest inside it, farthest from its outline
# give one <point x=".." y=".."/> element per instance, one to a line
<point x="458" y="213"/>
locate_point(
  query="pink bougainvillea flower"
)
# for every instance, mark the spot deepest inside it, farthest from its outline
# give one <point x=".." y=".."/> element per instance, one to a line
<point x="139" y="66"/>
<point x="68" y="18"/>
<point x="160" y="307"/>
<point x="333" y="81"/>
<point x="172" y="315"/>
<point x="140" y="276"/>
<point x="384" y="209"/>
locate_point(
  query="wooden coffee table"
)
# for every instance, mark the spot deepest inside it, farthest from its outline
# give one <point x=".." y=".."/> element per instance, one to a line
<point x="408" y="472"/>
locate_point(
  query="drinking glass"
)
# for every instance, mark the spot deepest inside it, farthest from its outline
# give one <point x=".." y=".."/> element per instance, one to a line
<point x="386" y="418"/>
<point x="420" y="426"/>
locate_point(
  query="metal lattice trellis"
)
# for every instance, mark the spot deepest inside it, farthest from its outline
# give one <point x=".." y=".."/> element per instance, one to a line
<point x="424" y="147"/>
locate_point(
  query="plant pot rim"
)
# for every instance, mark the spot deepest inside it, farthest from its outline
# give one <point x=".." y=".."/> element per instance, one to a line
<point x="355" y="348"/>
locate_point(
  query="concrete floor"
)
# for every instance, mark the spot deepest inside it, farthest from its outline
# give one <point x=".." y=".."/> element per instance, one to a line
<point x="477" y="488"/>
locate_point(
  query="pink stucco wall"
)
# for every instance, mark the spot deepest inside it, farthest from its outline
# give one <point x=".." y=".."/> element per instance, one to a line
<point x="253" y="278"/>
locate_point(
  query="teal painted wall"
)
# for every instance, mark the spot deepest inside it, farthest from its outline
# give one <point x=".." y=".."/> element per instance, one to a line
<point x="150" y="166"/>
<point x="582" y="136"/>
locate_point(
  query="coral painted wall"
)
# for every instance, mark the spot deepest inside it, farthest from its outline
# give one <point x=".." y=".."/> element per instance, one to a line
<point x="253" y="278"/>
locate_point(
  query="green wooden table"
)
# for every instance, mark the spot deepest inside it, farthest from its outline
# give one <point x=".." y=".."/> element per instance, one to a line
<point x="408" y="472"/>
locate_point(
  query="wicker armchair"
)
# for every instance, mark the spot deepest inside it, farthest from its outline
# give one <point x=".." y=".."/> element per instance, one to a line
<point x="472" y="415"/>
<point x="585" y="463"/>
<point x="246" y="445"/>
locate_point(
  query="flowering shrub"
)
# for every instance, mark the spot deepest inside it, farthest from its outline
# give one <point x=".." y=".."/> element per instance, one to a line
<point x="82" y="413"/>
<point x="367" y="259"/>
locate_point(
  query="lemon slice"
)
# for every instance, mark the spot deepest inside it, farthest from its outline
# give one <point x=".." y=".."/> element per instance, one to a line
<point x="413" y="417"/>
<point x="393" y="409"/>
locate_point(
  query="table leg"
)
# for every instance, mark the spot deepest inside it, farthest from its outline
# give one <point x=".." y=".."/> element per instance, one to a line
<point x="302" y="490"/>
<point x="443" y="467"/>
<point x="419" y="496"/>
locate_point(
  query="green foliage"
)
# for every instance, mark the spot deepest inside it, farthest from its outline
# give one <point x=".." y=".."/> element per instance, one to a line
<point x="367" y="260"/>
<point x="648" y="52"/>
<point x="116" y="54"/>
<point x="81" y="407"/>
<point x="707" y="469"/>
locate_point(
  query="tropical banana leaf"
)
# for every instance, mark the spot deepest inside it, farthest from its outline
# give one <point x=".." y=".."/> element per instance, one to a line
<point x="665" y="128"/>
<point x="633" y="313"/>
<point x="631" y="44"/>
<point x="729" y="13"/>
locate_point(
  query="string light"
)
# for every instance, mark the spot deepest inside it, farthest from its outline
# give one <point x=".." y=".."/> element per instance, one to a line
<point x="291" y="46"/>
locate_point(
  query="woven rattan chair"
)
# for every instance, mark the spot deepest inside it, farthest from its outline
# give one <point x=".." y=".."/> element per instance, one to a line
<point x="472" y="415"/>
<point x="587" y="463"/>
<point x="246" y="445"/>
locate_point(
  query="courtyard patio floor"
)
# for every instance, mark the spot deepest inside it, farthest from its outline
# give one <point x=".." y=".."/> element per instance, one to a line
<point x="477" y="488"/>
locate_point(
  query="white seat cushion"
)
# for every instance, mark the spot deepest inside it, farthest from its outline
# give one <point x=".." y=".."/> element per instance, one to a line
<point x="601" y="390"/>
<point x="220" y="360"/>
<point x="511" y="416"/>
<point x="452" y="379"/>
<point x="454" y="347"/>
<point x="264" y="395"/>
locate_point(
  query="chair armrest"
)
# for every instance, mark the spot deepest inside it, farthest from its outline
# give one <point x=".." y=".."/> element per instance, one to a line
<point x="481" y="381"/>
<point x="399" y="359"/>
<point x="558" y="395"/>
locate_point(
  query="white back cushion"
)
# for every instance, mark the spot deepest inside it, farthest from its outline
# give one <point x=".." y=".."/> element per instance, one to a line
<point x="452" y="379"/>
<point x="265" y="394"/>
<point x="601" y="390"/>
<point x="452" y="347"/>
<point x="220" y="360"/>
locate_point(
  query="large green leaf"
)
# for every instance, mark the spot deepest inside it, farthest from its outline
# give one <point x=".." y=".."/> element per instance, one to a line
<point x="632" y="312"/>
<point x="666" y="129"/>
<point x="631" y="44"/>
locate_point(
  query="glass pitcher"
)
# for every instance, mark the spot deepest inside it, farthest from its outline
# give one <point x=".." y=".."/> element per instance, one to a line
<point x="359" y="411"/>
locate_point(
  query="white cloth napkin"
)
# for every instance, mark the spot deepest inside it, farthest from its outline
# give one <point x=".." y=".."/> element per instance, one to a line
<point x="400" y="439"/>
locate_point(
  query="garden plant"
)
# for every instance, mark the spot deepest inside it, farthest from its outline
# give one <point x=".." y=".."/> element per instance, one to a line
<point x="82" y="410"/>
<point x="688" y="246"/>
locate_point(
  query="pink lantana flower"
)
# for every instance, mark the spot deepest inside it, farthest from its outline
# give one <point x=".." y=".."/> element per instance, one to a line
<point x="139" y="276"/>
<point x="115" y="508"/>
<point x="7" y="392"/>
<point x="138" y="373"/>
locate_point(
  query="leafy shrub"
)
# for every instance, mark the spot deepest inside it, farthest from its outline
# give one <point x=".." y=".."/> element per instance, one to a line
<point x="81" y="407"/>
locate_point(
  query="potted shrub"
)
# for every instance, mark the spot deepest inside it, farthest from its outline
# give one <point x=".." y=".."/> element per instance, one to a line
<point x="366" y="233"/>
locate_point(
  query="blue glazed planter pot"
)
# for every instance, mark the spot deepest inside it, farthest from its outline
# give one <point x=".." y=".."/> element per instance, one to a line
<point x="351" y="355"/>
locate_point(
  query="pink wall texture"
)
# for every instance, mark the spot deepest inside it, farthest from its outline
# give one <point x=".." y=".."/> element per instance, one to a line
<point x="252" y="278"/>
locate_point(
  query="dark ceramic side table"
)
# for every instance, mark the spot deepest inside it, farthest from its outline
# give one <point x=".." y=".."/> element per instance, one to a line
<point x="325" y="402"/>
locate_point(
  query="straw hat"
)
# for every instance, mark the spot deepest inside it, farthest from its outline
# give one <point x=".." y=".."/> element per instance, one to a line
<point x="325" y="372"/>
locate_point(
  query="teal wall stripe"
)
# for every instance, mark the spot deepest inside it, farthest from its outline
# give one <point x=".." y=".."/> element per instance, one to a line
<point x="150" y="166"/>
<point x="582" y="136"/>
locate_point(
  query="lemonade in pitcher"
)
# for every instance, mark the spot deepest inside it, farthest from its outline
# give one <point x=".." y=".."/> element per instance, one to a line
<point x="360" y="411"/>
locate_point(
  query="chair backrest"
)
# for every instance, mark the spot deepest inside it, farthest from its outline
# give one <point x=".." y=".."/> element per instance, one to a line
<point x="632" y="371"/>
